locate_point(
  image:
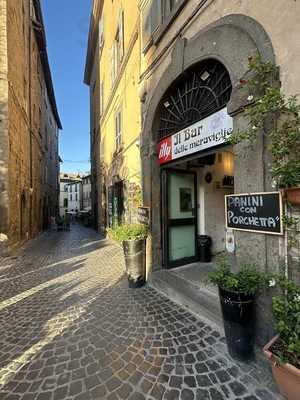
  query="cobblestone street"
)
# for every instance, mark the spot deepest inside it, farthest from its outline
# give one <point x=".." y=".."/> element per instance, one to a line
<point x="71" y="329"/>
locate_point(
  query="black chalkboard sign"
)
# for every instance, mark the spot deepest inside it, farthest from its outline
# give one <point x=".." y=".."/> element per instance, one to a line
<point x="144" y="215"/>
<point x="255" y="212"/>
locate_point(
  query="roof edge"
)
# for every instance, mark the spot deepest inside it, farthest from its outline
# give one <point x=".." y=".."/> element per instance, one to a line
<point x="45" y="62"/>
<point x="96" y="11"/>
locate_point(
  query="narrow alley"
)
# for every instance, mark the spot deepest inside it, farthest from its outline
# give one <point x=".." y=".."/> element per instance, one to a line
<point x="71" y="329"/>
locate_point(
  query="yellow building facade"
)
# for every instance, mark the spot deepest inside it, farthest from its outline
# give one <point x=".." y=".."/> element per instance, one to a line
<point x="112" y="73"/>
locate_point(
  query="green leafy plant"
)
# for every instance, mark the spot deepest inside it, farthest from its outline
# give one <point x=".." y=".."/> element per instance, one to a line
<point x="247" y="280"/>
<point x="128" y="232"/>
<point x="286" y="310"/>
<point x="268" y="103"/>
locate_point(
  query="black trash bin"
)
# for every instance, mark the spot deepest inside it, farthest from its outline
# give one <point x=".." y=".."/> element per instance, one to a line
<point x="204" y="246"/>
<point x="239" y="324"/>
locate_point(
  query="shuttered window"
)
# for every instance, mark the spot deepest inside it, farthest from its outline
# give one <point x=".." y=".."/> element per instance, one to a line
<point x="101" y="32"/>
<point x="151" y="20"/>
<point x="156" y="17"/>
<point x="118" y="129"/>
<point x="101" y="98"/>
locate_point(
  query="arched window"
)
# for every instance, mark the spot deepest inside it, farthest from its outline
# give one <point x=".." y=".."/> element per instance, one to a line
<point x="200" y="91"/>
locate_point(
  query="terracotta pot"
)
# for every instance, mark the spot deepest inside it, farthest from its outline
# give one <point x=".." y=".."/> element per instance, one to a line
<point x="293" y="195"/>
<point x="286" y="376"/>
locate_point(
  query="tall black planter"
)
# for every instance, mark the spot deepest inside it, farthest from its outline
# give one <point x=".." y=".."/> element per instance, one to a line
<point x="238" y="316"/>
<point x="135" y="261"/>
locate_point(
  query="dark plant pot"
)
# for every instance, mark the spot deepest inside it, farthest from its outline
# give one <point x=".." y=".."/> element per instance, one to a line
<point x="238" y="317"/>
<point x="293" y="195"/>
<point x="135" y="262"/>
<point x="286" y="375"/>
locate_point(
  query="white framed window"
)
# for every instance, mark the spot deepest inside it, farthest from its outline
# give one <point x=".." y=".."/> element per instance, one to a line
<point x="101" y="32"/>
<point x="118" y="47"/>
<point x="118" y="129"/>
<point x="101" y="98"/>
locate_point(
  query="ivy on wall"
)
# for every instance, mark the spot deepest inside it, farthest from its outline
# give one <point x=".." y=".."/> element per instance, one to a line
<point x="268" y="103"/>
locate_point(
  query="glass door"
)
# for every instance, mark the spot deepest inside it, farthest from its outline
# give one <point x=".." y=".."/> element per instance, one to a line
<point x="179" y="217"/>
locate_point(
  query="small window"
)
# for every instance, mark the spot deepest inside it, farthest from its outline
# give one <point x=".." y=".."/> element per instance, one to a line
<point x="65" y="203"/>
<point x="118" y="129"/>
<point x="101" y="32"/>
<point x="118" y="47"/>
<point x="101" y="98"/>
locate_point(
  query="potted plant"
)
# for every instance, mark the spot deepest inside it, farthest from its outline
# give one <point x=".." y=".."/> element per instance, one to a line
<point x="283" y="350"/>
<point x="133" y="239"/>
<point x="237" y="293"/>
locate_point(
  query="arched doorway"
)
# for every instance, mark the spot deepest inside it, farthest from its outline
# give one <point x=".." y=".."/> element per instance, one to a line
<point x="200" y="91"/>
<point x="216" y="41"/>
<point x="193" y="128"/>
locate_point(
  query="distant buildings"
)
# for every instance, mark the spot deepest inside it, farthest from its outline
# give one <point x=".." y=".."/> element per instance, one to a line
<point x="64" y="180"/>
<point x="29" y="124"/>
<point x="75" y="193"/>
<point x="75" y="196"/>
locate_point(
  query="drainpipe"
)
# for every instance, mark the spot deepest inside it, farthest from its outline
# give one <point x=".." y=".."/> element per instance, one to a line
<point x="286" y="257"/>
<point x="30" y="120"/>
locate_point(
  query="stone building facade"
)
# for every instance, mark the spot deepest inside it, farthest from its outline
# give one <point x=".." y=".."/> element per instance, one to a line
<point x="112" y="73"/>
<point x="29" y="124"/>
<point x="192" y="47"/>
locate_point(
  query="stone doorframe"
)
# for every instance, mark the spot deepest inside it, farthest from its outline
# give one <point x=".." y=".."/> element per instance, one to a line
<point x="231" y="40"/>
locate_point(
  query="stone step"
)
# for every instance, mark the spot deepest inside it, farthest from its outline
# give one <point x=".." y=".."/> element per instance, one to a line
<point x="193" y="295"/>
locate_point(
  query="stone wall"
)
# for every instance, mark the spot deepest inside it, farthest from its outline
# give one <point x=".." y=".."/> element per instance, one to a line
<point x="4" y="147"/>
<point x="30" y="165"/>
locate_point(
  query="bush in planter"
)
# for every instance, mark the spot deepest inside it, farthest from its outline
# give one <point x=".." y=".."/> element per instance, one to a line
<point x="284" y="349"/>
<point x="128" y="232"/>
<point x="237" y="292"/>
<point x="133" y="239"/>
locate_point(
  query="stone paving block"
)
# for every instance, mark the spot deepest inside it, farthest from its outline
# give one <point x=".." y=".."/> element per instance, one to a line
<point x="87" y="336"/>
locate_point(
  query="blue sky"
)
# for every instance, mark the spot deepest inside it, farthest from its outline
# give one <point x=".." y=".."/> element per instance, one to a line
<point x="67" y="24"/>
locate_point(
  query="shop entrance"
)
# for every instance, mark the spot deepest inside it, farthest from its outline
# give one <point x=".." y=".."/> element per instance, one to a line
<point x="179" y="210"/>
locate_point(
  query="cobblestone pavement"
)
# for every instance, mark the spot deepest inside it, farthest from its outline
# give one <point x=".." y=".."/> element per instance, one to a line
<point x="71" y="329"/>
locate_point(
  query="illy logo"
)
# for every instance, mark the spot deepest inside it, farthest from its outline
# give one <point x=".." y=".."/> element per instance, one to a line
<point x="164" y="151"/>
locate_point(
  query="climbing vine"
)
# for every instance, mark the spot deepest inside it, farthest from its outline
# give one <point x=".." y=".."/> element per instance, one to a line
<point x="268" y="103"/>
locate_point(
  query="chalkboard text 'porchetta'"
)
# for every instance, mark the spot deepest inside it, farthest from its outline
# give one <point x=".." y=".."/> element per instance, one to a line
<point x="244" y="211"/>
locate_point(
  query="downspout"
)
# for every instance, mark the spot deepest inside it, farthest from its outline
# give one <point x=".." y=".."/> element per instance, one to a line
<point x="30" y="119"/>
<point x="286" y="243"/>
